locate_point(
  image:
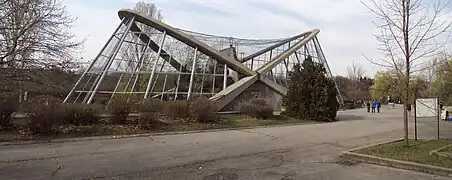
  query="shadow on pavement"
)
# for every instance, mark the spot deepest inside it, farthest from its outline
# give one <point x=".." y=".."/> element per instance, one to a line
<point x="348" y="117"/>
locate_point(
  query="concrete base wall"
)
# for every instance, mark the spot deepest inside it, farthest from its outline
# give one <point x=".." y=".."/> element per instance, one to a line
<point x="257" y="90"/>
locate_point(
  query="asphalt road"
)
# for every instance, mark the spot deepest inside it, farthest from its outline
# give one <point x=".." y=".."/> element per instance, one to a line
<point x="282" y="153"/>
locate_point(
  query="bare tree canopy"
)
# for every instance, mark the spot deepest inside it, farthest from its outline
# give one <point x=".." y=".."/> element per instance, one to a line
<point x="149" y="9"/>
<point x="35" y="33"/>
<point x="133" y="52"/>
<point x="355" y="71"/>
<point x="409" y="31"/>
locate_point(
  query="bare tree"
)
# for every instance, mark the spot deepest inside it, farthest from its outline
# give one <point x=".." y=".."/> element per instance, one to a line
<point x="409" y="31"/>
<point x="150" y="9"/>
<point x="136" y="50"/>
<point x="34" y="34"/>
<point x="355" y="71"/>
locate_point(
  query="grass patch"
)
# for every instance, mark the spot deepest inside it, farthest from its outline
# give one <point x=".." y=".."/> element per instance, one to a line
<point x="245" y="121"/>
<point x="418" y="152"/>
<point x="226" y="121"/>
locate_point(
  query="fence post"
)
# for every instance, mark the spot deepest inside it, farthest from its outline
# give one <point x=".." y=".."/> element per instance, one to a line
<point x="415" y="118"/>
<point x="438" y="111"/>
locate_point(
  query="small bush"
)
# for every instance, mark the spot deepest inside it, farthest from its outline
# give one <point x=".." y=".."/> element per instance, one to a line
<point x="203" y="110"/>
<point x="7" y="110"/>
<point x="119" y="110"/>
<point x="146" y="121"/>
<point x="79" y="114"/>
<point x="176" y="109"/>
<point x="256" y="108"/>
<point x="149" y="105"/>
<point x="44" y="119"/>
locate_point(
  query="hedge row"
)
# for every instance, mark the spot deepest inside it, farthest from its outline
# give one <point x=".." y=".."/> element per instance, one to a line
<point x="44" y="119"/>
<point x="256" y="108"/>
<point x="55" y="118"/>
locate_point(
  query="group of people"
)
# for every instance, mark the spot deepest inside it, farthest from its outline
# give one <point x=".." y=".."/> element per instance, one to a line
<point x="374" y="105"/>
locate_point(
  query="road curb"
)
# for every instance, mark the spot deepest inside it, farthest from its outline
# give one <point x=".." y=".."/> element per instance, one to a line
<point x="139" y="135"/>
<point x="350" y="154"/>
<point x="438" y="152"/>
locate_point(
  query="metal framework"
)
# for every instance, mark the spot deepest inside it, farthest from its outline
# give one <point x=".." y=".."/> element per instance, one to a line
<point x="145" y="58"/>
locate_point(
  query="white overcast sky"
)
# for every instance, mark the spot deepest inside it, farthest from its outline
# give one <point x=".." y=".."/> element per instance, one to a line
<point x="346" y="29"/>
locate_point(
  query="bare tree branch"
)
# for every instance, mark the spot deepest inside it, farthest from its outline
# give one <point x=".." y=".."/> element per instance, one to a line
<point x="34" y="35"/>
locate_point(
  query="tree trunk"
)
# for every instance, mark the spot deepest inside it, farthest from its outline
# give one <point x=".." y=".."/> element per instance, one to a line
<point x="405" y="112"/>
<point x="406" y="15"/>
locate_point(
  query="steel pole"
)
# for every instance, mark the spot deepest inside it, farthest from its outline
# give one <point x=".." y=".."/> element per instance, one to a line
<point x="93" y="62"/>
<point x="192" y="75"/>
<point x="146" y="94"/>
<point x="111" y="59"/>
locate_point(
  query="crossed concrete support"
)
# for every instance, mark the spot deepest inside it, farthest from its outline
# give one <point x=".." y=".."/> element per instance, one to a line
<point x="228" y="94"/>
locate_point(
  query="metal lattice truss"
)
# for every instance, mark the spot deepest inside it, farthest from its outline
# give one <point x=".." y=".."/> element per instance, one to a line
<point x="145" y="58"/>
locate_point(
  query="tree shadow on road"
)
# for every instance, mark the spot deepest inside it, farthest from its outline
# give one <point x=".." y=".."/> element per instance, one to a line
<point x="348" y="117"/>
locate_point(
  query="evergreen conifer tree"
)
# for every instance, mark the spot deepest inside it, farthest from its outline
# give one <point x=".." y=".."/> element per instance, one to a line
<point x="311" y="95"/>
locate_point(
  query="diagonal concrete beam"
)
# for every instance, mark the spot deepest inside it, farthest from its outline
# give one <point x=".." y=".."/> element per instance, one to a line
<point x="225" y="96"/>
<point x="256" y="54"/>
<point x="155" y="47"/>
<point x="190" y="41"/>
<point x="279" y="58"/>
<point x="272" y="84"/>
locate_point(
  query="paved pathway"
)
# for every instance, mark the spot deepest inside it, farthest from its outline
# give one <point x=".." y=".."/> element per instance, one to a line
<point x="293" y="152"/>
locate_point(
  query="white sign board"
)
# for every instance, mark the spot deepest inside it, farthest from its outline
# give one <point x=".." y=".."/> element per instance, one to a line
<point x="427" y="107"/>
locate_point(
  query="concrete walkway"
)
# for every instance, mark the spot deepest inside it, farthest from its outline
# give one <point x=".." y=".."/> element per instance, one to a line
<point x="293" y="152"/>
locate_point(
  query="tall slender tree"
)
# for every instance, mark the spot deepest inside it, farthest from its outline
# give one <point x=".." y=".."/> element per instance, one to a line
<point x="409" y="31"/>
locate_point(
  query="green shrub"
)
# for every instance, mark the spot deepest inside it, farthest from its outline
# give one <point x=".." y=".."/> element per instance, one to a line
<point x="256" y="108"/>
<point x="44" y="119"/>
<point x="176" y="109"/>
<point x="79" y="114"/>
<point x="203" y="110"/>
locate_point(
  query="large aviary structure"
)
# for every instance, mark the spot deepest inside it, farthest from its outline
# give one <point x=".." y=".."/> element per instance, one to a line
<point x="145" y="58"/>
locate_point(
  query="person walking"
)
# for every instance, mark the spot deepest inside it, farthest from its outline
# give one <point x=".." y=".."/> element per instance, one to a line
<point x="378" y="106"/>
<point x="368" y="106"/>
<point x="374" y="105"/>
